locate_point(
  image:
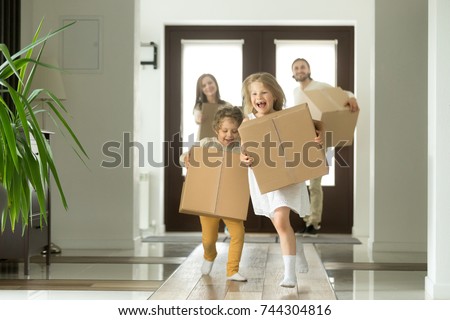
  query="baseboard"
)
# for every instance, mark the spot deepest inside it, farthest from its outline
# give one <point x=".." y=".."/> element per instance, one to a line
<point x="436" y="291"/>
<point x="397" y="246"/>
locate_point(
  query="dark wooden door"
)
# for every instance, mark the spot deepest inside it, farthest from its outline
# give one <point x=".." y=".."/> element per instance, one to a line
<point x="258" y="55"/>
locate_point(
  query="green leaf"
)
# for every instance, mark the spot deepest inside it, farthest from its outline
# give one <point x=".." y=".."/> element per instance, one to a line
<point x="21" y="170"/>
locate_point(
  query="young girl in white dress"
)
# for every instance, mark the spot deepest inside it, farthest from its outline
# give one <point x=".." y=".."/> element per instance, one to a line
<point x="263" y="95"/>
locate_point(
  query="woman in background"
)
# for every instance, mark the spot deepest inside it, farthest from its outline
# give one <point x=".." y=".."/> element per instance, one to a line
<point x="207" y="92"/>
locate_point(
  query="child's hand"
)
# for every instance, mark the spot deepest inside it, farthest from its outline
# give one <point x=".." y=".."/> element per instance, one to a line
<point x="245" y="159"/>
<point x="186" y="161"/>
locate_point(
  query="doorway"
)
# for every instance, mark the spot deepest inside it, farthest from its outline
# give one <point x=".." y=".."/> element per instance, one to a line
<point x="259" y="53"/>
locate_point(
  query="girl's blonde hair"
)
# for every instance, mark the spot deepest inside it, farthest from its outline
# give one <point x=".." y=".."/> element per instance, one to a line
<point x="233" y="113"/>
<point x="270" y="83"/>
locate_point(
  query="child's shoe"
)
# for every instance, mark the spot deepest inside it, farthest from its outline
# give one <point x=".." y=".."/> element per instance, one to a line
<point x="206" y="267"/>
<point x="237" y="277"/>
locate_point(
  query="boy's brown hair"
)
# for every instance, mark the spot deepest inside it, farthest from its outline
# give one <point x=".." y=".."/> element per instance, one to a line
<point x="233" y="113"/>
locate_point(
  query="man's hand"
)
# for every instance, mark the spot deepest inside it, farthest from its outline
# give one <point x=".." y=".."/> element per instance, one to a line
<point x="318" y="125"/>
<point x="353" y="104"/>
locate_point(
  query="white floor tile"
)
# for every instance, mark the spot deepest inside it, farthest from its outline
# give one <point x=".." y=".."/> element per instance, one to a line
<point x="73" y="295"/>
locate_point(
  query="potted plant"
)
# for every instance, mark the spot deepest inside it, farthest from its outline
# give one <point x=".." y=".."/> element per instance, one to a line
<point x="21" y="170"/>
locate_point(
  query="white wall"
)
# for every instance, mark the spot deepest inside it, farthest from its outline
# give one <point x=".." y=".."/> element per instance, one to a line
<point x="233" y="12"/>
<point x="100" y="104"/>
<point x="400" y="126"/>
<point x="437" y="284"/>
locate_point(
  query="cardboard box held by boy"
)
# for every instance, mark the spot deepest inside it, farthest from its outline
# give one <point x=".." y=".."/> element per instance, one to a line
<point x="216" y="184"/>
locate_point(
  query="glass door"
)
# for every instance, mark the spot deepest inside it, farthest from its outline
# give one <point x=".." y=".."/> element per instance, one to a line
<point x="222" y="59"/>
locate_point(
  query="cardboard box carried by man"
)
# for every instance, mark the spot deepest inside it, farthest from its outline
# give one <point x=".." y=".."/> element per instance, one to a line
<point x="329" y="107"/>
<point x="216" y="184"/>
<point x="283" y="148"/>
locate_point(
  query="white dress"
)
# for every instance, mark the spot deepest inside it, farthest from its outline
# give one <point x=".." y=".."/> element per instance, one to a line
<point x="294" y="196"/>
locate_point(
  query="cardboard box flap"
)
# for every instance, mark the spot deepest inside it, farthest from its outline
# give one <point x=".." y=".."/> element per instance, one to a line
<point x="329" y="106"/>
<point x="202" y="173"/>
<point x="216" y="184"/>
<point x="300" y="149"/>
<point x="328" y="99"/>
<point x="233" y="182"/>
<point x="277" y="142"/>
<point x="263" y="145"/>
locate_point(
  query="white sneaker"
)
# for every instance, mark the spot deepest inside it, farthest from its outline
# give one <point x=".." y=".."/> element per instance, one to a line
<point x="207" y="266"/>
<point x="237" y="277"/>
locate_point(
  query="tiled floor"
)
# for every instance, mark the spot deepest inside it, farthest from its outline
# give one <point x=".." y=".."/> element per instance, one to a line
<point x="361" y="276"/>
<point x="353" y="272"/>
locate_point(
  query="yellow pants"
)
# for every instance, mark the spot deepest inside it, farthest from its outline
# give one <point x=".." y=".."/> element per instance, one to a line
<point x="210" y="233"/>
<point x="316" y="196"/>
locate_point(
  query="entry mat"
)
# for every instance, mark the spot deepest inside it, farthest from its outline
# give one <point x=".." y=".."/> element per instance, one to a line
<point x="188" y="237"/>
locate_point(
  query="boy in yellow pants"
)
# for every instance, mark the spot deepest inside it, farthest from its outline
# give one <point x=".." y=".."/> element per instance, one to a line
<point x="226" y="123"/>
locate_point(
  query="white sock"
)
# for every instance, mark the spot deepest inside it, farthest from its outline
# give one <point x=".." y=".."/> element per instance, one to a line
<point x="290" y="279"/>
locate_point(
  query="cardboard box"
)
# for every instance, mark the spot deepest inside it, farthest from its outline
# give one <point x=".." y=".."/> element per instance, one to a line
<point x="283" y="148"/>
<point x="205" y="128"/>
<point x="216" y="185"/>
<point x="329" y="106"/>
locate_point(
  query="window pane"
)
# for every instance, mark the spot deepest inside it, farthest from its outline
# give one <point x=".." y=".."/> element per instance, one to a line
<point x="222" y="59"/>
<point x="321" y="55"/>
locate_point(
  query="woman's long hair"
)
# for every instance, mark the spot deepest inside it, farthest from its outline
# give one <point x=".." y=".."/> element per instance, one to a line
<point x="201" y="97"/>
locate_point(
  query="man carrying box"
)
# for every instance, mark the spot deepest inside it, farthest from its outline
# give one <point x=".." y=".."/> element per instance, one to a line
<point x="301" y="72"/>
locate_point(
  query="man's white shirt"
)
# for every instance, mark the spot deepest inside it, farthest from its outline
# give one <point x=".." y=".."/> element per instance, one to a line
<point x="299" y="93"/>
